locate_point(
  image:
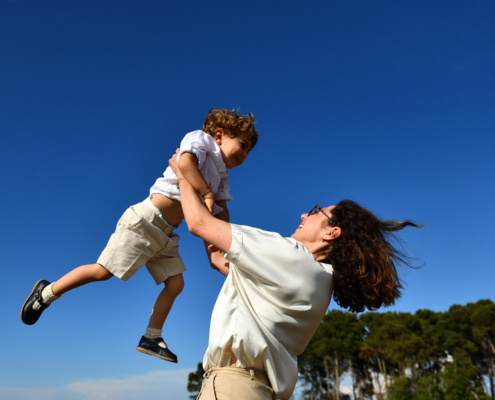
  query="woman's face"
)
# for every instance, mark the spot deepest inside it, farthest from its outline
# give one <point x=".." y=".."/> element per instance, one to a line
<point x="314" y="227"/>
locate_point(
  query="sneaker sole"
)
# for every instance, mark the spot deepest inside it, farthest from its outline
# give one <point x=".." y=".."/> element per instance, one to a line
<point x="32" y="290"/>
<point x="150" y="353"/>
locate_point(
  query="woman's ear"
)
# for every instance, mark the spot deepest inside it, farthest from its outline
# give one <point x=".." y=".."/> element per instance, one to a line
<point x="333" y="233"/>
<point x="218" y="135"/>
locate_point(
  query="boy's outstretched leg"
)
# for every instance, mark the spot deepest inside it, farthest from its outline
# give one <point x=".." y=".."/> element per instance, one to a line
<point x="44" y="293"/>
<point x="152" y="342"/>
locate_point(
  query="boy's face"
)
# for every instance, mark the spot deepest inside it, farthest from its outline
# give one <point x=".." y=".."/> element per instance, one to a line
<point x="234" y="149"/>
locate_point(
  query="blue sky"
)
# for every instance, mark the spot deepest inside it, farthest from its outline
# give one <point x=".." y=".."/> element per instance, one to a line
<point x="391" y="104"/>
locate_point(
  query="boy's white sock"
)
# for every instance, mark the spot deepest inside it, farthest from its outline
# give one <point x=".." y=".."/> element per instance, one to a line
<point x="48" y="296"/>
<point x="152" y="333"/>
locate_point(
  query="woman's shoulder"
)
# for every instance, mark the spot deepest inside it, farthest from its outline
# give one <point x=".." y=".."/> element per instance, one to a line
<point x="250" y="230"/>
<point x="271" y="242"/>
<point x="274" y="255"/>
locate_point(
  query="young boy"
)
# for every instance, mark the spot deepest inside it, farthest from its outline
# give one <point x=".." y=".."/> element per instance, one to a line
<point x="144" y="233"/>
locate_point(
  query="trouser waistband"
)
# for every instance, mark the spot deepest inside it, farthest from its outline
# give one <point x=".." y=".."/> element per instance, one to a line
<point x="254" y="374"/>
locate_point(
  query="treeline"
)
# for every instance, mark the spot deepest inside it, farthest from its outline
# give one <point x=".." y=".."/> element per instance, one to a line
<point x="403" y="356"/>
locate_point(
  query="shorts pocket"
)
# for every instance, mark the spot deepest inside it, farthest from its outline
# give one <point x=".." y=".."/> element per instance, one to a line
<point x="131" y="220"/>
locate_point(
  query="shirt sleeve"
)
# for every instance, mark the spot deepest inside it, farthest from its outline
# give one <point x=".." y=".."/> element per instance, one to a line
<point x="197" y="143"/>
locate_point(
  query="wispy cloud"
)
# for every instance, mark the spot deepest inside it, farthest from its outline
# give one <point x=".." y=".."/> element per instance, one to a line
<point x="170" y="385"/>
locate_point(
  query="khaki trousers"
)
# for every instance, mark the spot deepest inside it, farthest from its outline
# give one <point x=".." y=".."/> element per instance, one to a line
<point x="232" y="383"/>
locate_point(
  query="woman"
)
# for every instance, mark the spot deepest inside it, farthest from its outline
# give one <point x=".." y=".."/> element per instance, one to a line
<point x="278" y="289"/>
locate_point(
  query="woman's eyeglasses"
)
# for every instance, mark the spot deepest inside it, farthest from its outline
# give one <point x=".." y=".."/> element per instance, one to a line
<point x="316" y="210"/>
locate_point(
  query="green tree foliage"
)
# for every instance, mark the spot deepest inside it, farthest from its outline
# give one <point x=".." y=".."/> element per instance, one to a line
<point x="334" y="349"/>
<point x="402" y="356"/>
<point x="195" y="380"/>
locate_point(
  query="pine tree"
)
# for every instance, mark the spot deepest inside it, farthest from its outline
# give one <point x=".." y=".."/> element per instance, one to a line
<point x="195" y="380"/>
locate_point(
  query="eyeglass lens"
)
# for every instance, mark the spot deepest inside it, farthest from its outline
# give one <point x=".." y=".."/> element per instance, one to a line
<point x="314" y="210"/>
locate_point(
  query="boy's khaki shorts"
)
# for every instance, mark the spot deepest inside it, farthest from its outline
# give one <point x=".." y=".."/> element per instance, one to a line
<point x="142" y="238"/>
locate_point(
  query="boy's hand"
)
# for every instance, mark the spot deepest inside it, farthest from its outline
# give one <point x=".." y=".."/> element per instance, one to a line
<point x="173" y="163"/>
<point x="209" y="201"/>
<point x="214" y="249"/>
<point x="217" y="261"/>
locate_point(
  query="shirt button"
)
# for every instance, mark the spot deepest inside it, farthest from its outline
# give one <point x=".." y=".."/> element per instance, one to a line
<point x="218" y="165"/>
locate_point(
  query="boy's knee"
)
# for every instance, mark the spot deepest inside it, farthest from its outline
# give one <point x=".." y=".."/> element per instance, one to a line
<point x="175" y="284"/>
<point x="100" y="273"/>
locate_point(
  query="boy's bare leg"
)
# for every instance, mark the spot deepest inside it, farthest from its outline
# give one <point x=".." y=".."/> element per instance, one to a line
<point x="152" y="342"/>
<point x="80" y="276"/>
<point x="165" y="300"/>
<point x="44" y="293"/>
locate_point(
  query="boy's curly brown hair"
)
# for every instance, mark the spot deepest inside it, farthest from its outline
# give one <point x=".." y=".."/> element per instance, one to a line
<point x="232" y="123"/>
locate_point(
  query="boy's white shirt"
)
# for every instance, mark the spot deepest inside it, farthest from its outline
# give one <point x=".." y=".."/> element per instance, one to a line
<point x="210" y="164"/>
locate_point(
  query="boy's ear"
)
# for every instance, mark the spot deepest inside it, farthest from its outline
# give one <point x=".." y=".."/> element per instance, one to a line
<point x="218" y="135"/>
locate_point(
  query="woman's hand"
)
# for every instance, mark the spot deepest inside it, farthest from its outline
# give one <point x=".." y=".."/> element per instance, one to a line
<point x="174" y="165"/>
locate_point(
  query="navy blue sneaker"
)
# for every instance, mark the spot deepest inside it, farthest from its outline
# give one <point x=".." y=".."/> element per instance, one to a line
<point x="33" y="306"/>
<point x="156" y="347"/>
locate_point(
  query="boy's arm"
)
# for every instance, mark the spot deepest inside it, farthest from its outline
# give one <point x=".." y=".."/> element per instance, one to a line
<point x="188" y="164"/>
<point x="224" y="214"/>
<point x="216" y="259"/>
<point x="215" y="252"/>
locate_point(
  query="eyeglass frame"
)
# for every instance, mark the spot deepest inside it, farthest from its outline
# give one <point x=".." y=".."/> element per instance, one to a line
<point x="316" y="209"/>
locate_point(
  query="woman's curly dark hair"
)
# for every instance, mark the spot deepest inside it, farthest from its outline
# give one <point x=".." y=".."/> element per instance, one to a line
<point x="364" y="258"/>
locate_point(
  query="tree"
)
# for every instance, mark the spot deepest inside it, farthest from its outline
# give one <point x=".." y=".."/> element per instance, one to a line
<point x="402" y="356"/>
<point x="332" y="350"/>
<point x="482" y="317"/>
<point x="195" y="380"/>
